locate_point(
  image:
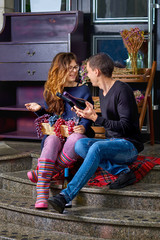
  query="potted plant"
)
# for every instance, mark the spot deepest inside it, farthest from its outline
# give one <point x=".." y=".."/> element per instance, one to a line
<point x="133" y="40"/>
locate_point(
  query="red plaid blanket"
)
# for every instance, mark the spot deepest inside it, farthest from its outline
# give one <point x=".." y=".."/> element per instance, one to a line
<point x="101" y="177"/>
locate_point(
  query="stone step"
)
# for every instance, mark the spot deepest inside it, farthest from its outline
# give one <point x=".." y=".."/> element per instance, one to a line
<point x="88" y="221"/>
<point x="153" y="176"/>
<point x="15" y="162"/>
<point x="140" y="196"/>
<point x="12" y="231"/>
<point x="27" y="160"/>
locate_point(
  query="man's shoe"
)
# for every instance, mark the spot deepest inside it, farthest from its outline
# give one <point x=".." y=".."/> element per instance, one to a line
<point x="68" y="205"/>
<point x="123" y="180"/>
<point x="58" y="202"/>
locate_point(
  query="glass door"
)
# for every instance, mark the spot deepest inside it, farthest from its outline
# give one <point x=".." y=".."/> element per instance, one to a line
<point x="110" y="17"/>
<point x="119" y="15"/>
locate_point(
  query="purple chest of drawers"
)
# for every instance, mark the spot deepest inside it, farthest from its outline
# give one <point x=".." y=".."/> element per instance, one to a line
<point x="28" y="43"/>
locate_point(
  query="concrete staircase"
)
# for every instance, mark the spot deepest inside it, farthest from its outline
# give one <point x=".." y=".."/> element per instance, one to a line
<point x="132" y="213"/>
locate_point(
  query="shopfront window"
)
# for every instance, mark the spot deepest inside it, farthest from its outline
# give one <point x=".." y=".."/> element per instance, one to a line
<point x="124" y="10"/>
<point x="44" y="5"/>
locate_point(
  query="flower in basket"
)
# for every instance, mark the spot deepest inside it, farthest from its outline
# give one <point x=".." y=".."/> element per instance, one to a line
<point x="52" y="126"/>
<point x="83" y="72"/>
<point x="133" y="40"/>
<point x="38" y="121"/>
<point x="138" y="96"/>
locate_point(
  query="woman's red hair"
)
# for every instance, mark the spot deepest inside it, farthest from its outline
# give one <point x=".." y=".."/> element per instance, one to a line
<point x="56" y="80"/>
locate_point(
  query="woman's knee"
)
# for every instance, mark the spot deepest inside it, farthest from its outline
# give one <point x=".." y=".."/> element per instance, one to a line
<point x="51" y="142"/>
<point x="71" y="140"/>
<point x="69" y="146"/>
<point x="74" y="137"/>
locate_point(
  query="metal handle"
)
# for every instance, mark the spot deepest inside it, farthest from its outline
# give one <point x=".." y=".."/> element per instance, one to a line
<point x="30" y="53"/>
<point x="52" y="20"/>
<point x="155" y="5"/>
<point x="31" y="73"/>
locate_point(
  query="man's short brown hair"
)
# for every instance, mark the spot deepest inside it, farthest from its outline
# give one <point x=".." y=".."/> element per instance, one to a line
<point x="103" y="62"/>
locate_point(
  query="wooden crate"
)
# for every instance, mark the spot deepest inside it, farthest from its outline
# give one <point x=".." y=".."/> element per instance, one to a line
<point x="48" y="130"/>
<point x="125" y="75"/>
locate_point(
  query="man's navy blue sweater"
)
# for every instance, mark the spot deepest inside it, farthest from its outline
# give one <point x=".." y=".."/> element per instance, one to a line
<point x="120" y="114"/>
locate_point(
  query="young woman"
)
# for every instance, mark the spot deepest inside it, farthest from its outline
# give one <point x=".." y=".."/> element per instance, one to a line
<point x="57" y="155"/>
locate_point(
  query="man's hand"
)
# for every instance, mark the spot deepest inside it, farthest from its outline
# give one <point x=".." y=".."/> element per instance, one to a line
<point x="33" y="107"/>
<point x="88" y="112"/>
<point x="79" y="129"/>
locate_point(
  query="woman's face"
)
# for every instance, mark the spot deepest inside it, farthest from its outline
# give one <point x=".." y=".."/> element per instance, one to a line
<point x="72" y="72"/>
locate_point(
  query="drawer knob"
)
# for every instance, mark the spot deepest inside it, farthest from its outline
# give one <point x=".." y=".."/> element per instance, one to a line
<point x="31" y="73"/>
<point x="31" y="53"/>
<point x="52" y="20"/>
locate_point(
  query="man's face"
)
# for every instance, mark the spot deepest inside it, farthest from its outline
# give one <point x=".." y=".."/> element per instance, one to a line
<point x="92" y="76"/>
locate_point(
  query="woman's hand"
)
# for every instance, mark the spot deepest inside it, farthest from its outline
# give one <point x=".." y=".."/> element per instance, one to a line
<point x="79" y="129"/>
<point x="88" y="112"/>
<point x="33" y="107"/>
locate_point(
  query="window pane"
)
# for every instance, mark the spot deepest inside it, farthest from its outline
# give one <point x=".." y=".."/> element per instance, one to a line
<point x="41" y="5"/>
<point x="121" y="8"/>
<point x="114" y="47"/>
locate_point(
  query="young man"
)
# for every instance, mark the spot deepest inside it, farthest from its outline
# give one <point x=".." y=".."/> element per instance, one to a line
<point x="123" y="137"/>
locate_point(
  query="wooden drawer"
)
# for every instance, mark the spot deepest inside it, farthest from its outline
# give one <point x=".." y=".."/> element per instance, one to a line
<point x="24" y="71"/>
<point x="31" y="52"/>
<point x="46" y="27"/>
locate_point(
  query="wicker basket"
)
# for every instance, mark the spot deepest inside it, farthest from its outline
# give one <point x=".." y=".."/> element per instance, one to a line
<point x="48" y="130"/>
<point x="140" y="104"/>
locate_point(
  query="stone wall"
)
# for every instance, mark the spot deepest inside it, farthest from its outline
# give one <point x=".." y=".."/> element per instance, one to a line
<point x="5" y="7"/>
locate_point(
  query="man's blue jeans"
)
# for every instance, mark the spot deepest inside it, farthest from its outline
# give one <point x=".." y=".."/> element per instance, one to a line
<point x="113" y="155"/>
